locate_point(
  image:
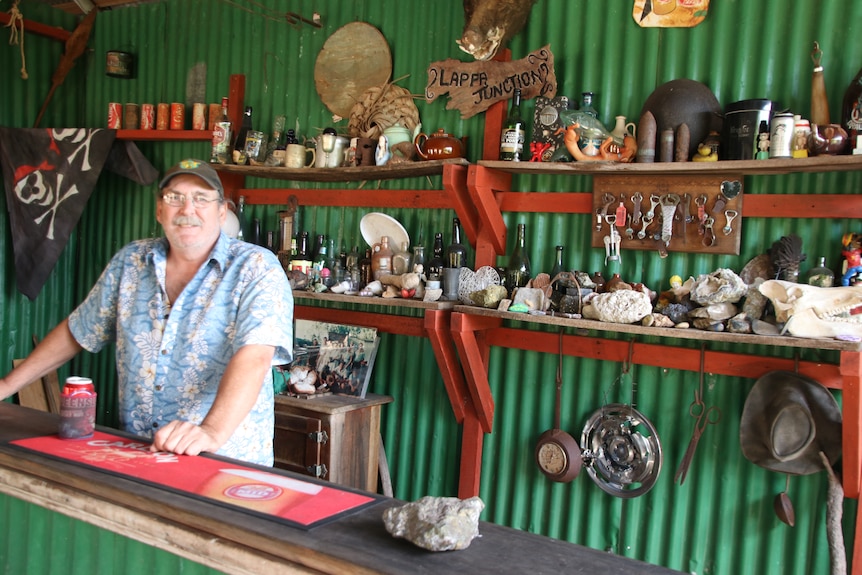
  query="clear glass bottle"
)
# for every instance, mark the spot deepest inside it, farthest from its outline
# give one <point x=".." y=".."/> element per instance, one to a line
<point x="277" y="148"/>
<point x="381" y="259"/>
<point x="330" y="258"/>
<point x="518" y="270"/>
<point x="318" y="260"/>
<point x="436" y="263"/>
<point x="352" y="266"/>
<point x="242" y="232"/>
<point x="419" y="259"/>
<point x="513" y="136"/>
<point x="221" y="137"/>
<point x="820" y="276"/>
<point x="456" y="252"/>
<point x="401" y="259"/>
<point x="587" y="104"/>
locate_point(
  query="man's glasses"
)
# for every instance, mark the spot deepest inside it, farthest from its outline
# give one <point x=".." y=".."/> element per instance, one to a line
<point x="178" y="200"/>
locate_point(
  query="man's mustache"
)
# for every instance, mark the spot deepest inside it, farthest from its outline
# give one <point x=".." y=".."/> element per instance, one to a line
<point x="186" y="221"/>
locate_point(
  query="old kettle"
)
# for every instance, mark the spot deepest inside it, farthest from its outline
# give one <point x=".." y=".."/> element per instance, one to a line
<point x="438" y="146"/>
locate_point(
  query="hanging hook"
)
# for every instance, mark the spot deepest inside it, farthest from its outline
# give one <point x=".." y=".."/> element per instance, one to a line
<point x="816" y="54"/>
<point x="627" y="364"/>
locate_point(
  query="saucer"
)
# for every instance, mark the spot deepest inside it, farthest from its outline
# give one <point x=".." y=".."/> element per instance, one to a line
<point x="375" y="225"/>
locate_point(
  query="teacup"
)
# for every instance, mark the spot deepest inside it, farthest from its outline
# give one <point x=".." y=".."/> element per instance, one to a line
<point x="297" y="156"/>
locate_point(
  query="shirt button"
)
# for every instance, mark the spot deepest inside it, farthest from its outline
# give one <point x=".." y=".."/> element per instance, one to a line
<point x="155" y="424"/>
<point x="158" y="388"/>
<point x="164" y="352"/>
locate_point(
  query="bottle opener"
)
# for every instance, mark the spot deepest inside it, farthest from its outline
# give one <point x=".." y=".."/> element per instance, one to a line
<point x="729" y="215"/>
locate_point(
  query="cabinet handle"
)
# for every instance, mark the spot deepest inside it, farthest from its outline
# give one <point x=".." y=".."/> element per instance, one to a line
<point x="318" y="436"/>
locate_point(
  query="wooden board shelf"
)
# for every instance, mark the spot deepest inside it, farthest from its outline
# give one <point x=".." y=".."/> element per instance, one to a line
<point x="348" y="174"/>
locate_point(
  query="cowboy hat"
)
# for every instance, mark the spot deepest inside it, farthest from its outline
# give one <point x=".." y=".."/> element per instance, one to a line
<point x="787" y="420"/>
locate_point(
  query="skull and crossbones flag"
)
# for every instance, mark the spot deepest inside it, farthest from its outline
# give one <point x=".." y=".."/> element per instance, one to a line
<point x="49" y="175"/>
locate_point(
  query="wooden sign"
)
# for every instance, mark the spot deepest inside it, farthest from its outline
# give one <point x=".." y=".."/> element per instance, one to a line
<point x="474" y="86"/>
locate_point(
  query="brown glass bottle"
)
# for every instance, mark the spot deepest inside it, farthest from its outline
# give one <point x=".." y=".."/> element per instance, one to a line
<point x="851" y="111"/>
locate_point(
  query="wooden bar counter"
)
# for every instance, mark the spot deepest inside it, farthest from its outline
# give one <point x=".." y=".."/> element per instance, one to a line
<point x="236" y="542"/>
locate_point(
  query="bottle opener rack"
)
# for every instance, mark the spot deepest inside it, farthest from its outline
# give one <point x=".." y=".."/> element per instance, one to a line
<point x="668" y="213"/>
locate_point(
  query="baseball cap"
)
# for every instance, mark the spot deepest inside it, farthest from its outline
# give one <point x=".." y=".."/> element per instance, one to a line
<point x="197" y="168"/>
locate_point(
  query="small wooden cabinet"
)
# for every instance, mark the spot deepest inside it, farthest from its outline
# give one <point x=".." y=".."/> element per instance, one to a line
<point x="333" y="437"/>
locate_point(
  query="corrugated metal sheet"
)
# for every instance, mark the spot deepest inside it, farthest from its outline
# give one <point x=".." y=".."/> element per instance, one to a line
<point x="720" y="521"/>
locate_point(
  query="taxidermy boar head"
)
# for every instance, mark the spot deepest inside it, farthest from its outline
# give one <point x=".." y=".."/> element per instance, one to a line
<point x="810" y="311"/>
<point x="489" y="24"/>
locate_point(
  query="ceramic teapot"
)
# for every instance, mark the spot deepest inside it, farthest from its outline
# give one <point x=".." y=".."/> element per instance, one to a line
<point x="438" y="146"/>
<point x="830" y="139"/>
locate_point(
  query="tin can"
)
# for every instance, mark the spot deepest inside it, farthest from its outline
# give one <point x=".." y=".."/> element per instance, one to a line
<point x="781" y="136"/>
<point x="163" y="116"/>
<point x="178" y="116"/>
<point x="199" y="120"/>
<point x="131" y="116"/>
<point x="148" y="117"/>
<point x="79" y="386"/>
<point x="254" y="145"/>
<point x="213" y="116"/>
<point x="115" y="115"/>
<point x="119" y="64"/>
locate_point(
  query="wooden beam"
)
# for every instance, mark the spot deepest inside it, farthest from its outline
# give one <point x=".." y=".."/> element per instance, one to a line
<point x="54" y="32"/>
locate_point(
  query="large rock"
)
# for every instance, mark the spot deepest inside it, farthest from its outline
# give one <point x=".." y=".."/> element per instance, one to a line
<point x="436" y="523"/>
<point x="624" y="306"/>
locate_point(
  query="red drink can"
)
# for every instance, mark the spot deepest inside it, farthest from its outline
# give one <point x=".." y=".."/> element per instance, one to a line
<point x="178" y="116"/>
<point x="115" y="115"/>
<point x="79" y="386"/>
<point x="163" y="116"/>
<point x="148" y="117"/>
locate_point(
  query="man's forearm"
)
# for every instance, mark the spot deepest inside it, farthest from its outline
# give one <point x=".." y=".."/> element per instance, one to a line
<point x="56" y="349"/>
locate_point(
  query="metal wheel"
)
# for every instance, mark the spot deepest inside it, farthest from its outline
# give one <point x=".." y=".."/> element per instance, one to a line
<point x="621" y="450"/>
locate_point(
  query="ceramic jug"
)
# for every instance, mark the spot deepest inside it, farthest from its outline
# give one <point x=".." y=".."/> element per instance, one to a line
<point x="623" y="129"/>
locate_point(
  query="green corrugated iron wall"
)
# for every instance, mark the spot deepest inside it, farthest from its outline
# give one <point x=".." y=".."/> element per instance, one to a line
<point x="720" y="521"/>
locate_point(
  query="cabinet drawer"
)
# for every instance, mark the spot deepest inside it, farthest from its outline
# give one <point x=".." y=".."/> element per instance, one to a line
<point x="298" y="444"/>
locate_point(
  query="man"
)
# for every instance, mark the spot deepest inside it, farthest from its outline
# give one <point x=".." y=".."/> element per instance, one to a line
<point x="198" y="319"/>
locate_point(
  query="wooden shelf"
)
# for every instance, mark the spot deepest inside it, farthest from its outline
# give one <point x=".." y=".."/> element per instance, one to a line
<point x="731" y="167"/>
<point x="165" y="135"/>
<point x="375" y="300"/>
<point x="387" y="172"/>
<point x="666" y="332"/>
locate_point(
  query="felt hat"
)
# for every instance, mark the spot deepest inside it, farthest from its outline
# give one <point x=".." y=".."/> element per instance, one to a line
<point x="788" y="419"/>
<point x="197" y="168"/>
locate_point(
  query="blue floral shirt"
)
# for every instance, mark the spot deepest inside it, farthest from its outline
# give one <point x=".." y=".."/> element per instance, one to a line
<point x="171" y="358"/>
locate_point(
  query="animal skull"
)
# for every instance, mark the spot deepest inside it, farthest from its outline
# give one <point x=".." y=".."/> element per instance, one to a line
<point x="488" y="24"/>
<point x="810" y="311"/>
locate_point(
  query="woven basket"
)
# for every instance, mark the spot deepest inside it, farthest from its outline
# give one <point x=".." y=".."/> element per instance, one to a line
<point x="381" y="107"/>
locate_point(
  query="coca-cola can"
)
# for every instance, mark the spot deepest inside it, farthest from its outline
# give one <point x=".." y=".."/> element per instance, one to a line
<point x="76" y="385"/>
<point x="163" y="116"/>
<point x="148" y="117"/>
<point x="131" y="116"/>
<point x="115" y="115"/>
<point x="178" y="116"/>
<point x="199" y="118"/>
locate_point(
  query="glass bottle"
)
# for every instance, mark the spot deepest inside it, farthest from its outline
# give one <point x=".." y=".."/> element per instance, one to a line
<point x="419" y="258"/>
<point x="587" y="104"/>
<point x="456" y="252"/>
<point x="329" y="258"/>
<point x="381" y="259"/>
<point x="318" y="259"/>
<point x="401" y="259"/>
<point x="241" y="233"/>
<point x="558" y="262"/>
<point x="365" y="273"/>
<point x="435" y="265"/>
<point x="277" y="149"/>
<point x="851" y="112"/>
<point x="242" y="133"/>
<point x="599" y="279"/>
<point x="820" y="276"/>
<point x="300" y="260"/>
<point x="518" y="269"/>
<point x="513" y="136"/>
<point x="255" y="236"/>
<point x="221" y="137"/>
<point x="352" y="267"/>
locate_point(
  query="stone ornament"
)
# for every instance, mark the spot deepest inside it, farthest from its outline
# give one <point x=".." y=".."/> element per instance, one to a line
<point x="436" y="523"/>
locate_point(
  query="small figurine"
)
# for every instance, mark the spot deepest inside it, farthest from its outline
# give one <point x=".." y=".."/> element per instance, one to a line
<point x="852" y="252"/>
<point x="762" y="142"/>
<point x="382" y="154"/>
<point x="707" y="151"/>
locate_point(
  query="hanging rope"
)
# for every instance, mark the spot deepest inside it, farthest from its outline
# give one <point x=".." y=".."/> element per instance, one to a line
<point x="17" y="19"/>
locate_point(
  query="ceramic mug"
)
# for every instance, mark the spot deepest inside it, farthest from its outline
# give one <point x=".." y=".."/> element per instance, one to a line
<point x="297" y="156"/>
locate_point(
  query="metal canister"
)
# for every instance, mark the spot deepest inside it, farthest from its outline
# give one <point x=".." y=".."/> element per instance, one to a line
<point x="115" y="115"/>
<point x="148" y="117"/>
<point x="76" y="385"/>
<point x="131" y="116"/>
<point x="163" y="116"/>
<point x="178" y="116"/>
<point x="213" y="116"/>
<point x="199" y="119"/>
<point x="781" y="135"/>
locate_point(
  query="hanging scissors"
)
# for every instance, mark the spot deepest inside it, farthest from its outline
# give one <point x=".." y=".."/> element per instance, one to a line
<point x="703" y="417"/>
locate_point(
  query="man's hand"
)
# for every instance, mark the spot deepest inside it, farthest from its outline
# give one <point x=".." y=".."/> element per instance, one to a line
<point x="185" y="438"/>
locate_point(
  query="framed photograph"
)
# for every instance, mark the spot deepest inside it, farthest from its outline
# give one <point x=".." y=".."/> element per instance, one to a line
<point x="331" y="358"/>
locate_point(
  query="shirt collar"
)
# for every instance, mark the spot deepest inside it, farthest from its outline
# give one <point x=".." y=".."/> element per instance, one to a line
<point x="219" y="253"/>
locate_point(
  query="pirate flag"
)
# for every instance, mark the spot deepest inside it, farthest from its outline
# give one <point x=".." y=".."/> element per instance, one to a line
<point x="49" y="175"/>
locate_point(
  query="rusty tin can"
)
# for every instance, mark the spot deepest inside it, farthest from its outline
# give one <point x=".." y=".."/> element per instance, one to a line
<point x="199" y="119"/>
<point x="115" y="115"/>
<point x="148" y="117"/>
<point x="163" y="116"/>
<point x="131" y="116"/>
<point x="178" y="116"/>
